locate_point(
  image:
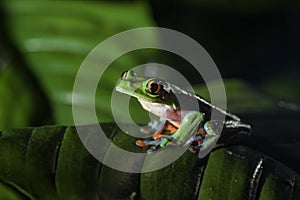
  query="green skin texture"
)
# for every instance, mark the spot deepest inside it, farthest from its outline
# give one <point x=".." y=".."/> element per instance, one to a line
<point x="135" y="86"/>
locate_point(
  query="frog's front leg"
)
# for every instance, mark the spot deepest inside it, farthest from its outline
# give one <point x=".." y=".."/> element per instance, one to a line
<point x="187" y="129"/>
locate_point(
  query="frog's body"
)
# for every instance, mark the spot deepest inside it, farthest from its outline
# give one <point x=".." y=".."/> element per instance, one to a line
<point x="188" y="124"/>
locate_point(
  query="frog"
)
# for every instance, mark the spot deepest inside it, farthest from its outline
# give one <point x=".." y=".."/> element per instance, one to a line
<point x="176" y="124"/>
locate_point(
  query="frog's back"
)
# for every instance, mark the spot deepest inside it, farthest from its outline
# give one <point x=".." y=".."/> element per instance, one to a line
<point x="189" y="100"/>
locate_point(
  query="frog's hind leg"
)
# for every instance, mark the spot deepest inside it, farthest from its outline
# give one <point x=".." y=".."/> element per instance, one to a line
<point x="154" y="126"/>
<point x="213" y="130"/>
<point x="158" y="135"/>
<point x="144" y="143"/>
<point x="186" y="130"/>
<point x="206" y="137"/>
<point x="232" y="131"/>
<point x="167" y="127"/>
<point x="195" y="143"/>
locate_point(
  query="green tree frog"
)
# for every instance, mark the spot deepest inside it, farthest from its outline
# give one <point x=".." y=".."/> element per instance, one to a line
<point x="177" y="124"/>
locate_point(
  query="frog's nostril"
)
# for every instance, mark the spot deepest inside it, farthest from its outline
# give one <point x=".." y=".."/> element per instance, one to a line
<point x="132" y="73"/>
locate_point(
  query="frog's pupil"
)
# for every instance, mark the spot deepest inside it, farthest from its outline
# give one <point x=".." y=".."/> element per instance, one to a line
<point x="132" y="73"/>
<point x="154" y="87"/>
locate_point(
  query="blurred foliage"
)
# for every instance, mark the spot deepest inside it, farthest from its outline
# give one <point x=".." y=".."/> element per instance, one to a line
<point x="56" y="36"/>
<point x="22" y="100"/>
<point x="20" y="104"/>
<point x="251" y="101"/>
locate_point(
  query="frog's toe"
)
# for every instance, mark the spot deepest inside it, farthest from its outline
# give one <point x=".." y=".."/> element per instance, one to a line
<point x="153" y="149"/>
<point x="195" y="139"/>
<point x="144" y="143"/>
<point x="140" y="143"/>
<point x="161" y="144"/>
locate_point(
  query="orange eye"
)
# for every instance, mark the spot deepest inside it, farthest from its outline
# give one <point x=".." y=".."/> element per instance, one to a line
<point x="153" y="87"/>
<point x="123" y="75"/>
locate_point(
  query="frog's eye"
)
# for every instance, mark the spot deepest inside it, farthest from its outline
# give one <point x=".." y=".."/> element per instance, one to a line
<point x="153" y="87"/>
<point x="124" y="75"/>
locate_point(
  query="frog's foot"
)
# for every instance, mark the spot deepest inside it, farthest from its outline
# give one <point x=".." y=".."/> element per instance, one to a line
<point x="158" y="136"/>
<point x="144" y="143"/>
<point x="212" y="133"/>
<point x="213" y="128"/>
<point x="195" y="149"/>
<point x="156" y="144"/>
<point x="195" y="143"/>
<point x="205" y="138"/>
<point x="195" y="140"/>
<point x="162" y="143"/>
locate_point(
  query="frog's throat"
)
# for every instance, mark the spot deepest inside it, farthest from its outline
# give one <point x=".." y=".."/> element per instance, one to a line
<point x="158" y="109"/>
<point x="123" y="91"/>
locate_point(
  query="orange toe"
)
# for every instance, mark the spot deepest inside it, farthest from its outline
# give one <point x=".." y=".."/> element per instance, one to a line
<point x="140" y="143"/>
<point x="158" y="135"/>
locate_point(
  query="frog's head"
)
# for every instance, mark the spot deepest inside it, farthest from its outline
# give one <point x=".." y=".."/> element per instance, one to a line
<point x="146" y="89"/>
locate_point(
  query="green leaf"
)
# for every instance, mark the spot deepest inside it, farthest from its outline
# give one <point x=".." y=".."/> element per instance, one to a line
<point x="51" y="162"/>
<point x="21" y="104"/>
<point x="77" y="171"/>
<point x="8" y="193"/>
<point x="56" y="36"/>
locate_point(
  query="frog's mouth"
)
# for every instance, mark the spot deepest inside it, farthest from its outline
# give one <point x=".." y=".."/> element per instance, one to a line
<point x="121" y="90"/>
